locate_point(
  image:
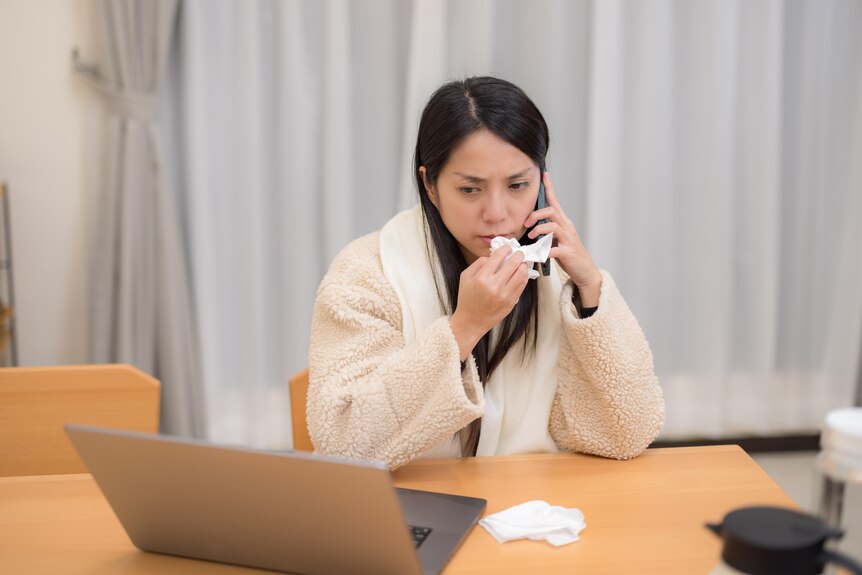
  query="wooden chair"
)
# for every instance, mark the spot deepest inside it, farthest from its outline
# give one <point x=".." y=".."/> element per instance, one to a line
<point x="298" y="396"/>
<point x="36" y="402"/>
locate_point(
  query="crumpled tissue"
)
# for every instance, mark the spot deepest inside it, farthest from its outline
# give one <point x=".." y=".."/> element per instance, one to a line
<point x="535" y="253"/>
<point x="536" y="520"/>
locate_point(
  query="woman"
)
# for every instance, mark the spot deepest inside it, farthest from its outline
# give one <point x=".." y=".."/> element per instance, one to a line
<point x="423" y="343"/>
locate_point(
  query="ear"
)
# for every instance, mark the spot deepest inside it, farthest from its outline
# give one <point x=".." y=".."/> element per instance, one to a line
<point x="429" y="189"/>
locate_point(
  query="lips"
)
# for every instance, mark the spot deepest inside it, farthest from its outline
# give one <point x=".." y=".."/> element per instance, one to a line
<point x="491" y="237"/>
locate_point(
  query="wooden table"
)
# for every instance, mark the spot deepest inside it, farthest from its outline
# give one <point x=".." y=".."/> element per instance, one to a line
<point x="643" y="516"/>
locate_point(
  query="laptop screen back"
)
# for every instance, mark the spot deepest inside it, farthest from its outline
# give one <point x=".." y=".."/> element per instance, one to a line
<point x="293" y="512"/>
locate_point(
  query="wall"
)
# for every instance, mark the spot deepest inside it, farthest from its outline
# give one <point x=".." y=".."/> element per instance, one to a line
<point x="48" y="120"/>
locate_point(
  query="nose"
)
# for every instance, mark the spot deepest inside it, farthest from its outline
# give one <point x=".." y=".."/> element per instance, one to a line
<point x="494" y="210"/>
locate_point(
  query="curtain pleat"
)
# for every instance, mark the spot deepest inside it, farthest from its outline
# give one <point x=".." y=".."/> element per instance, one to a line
<point x="141" y="303"/>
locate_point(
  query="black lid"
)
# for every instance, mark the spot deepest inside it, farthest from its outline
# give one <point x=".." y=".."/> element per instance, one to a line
<point x="774" y="541"/>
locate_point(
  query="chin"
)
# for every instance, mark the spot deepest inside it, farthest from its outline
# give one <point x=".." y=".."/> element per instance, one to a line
<point x="470" y="255"/>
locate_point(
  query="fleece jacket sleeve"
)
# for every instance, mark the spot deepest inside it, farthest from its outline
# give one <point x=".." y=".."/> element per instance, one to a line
<point x="370" y="396"/>
<point x="608" y="399"/>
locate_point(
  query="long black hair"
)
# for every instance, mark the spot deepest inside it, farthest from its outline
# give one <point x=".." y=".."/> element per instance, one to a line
<point x="456" y="110"/>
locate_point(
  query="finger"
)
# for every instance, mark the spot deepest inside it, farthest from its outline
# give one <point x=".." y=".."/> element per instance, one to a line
<point x="475" y="267"/>
<point x="550" y="194"/>
<point x="518" y="280"/>
<point x="543" y="214"/>
<point x="496" y="258"/>
<point x="552" y="215"/>
<point x="553" y="201"/>
<point x="508" y="267"/>
<point x="544" y="229"/>
<point x="556" y="252"/>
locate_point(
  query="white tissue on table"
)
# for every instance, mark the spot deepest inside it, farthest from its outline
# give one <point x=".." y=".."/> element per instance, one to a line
<point x="536" y="520"/>
<point x="536" y="253"/>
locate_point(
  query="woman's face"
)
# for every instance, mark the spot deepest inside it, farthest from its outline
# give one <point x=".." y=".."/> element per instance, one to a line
<point x="487" y="188"/>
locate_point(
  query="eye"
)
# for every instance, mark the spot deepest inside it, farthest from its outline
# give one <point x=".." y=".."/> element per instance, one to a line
<point x="468" y="190"/>
<point x="519" y="185"/>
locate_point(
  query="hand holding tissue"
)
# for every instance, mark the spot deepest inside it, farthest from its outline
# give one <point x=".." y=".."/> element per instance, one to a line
<point x="536" y="520"/>
<point x="533" y="253"/>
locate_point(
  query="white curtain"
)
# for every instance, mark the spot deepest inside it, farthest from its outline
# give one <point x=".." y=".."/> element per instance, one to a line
<point x="709" y="152"/>
<point x="141" y="297"/>
<point x="724" y="193"/>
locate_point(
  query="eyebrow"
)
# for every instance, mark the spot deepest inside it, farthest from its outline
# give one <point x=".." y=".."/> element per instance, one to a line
<point x="477" y="179"/>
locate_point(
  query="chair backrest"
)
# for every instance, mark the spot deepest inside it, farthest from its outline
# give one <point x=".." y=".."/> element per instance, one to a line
<point x="35" y="403"/>
<point x="298" y="397"/>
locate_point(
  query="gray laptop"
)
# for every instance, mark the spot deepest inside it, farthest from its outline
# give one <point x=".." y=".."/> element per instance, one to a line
<point x="292" y="512"/>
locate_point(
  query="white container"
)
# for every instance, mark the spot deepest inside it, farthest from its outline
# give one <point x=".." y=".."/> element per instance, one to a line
<point x="838" y="481"/>
<point x="839" y="464"/>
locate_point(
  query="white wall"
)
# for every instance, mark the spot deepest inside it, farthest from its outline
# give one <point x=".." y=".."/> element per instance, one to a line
<point x="48" y="119"/>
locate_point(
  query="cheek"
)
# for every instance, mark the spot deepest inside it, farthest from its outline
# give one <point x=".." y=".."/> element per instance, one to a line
<point x="462" y="212"/>
<point x="465" y="222"/>
<point x="456" y="219"/>
<point x="526" y="209"/>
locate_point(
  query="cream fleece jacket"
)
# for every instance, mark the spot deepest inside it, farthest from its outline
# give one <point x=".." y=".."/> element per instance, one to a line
<point x="372" y="397"/>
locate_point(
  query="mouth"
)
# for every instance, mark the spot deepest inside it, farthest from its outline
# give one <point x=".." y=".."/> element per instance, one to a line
<point x="488" y="239"/>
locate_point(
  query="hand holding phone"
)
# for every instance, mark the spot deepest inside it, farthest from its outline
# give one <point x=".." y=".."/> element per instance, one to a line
<point x="568" y="250"/>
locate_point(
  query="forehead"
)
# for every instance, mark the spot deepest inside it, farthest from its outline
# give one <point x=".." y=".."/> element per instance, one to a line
<point x="486" y="155"/>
